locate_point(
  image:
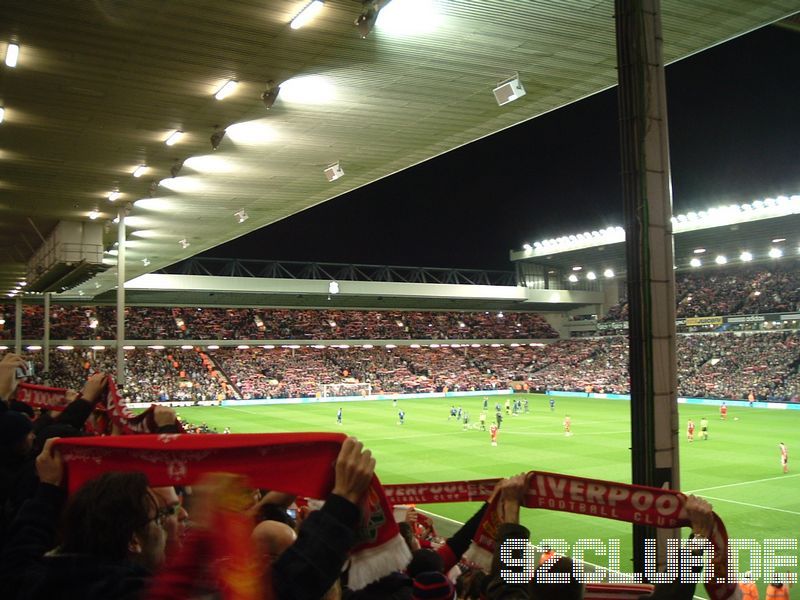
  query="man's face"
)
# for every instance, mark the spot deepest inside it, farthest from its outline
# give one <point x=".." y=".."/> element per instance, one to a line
<point x="175" y="519"/>
<point x="154" y="537"/>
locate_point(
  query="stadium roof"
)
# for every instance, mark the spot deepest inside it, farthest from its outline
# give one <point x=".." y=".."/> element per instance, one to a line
<point x="99" y="86"/>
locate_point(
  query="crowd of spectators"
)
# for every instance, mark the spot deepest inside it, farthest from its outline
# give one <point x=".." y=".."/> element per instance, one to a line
<point x="716" y="365"/>
<point x="161" y="323"/>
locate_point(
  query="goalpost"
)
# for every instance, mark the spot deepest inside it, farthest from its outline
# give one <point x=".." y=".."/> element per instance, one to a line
<point x="338" y="390"/>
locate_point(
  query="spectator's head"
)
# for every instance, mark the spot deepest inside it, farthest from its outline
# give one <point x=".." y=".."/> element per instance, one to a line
<point x="175" y="516"/>
<point x="424" y="560"/>
<point x="16" y="433"/>
<point x="115" y="517"/>
<point x="271" y="538"/>
<point x="432" y="585"/>
<point x="557" y="591"/>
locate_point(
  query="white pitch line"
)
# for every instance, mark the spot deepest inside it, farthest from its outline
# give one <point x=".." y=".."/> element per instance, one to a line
<point x="791" y="512"/>
<point x="727" y="485"/>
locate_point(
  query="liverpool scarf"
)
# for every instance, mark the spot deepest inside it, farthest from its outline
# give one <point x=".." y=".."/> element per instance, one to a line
<point x="552" y="491"/>
<point x="300" y="464"/>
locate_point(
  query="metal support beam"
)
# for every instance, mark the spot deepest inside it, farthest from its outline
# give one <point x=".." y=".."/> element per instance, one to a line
<point x="46" y="339"/>
<point x="649" y="246"/>
<point x="123" y="211"/>
<point x="18" y="324"/>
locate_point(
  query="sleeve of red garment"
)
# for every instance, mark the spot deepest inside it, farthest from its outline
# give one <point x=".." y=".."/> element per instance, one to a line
<point x="454" y="548"/>
<point x="183" y="574"/>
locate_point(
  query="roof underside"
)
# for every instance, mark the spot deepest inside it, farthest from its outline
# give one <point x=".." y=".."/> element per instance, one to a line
<point x="99" y="86"/>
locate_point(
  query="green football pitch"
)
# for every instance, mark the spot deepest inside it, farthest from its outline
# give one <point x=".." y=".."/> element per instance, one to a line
<point x="738" y="469"/>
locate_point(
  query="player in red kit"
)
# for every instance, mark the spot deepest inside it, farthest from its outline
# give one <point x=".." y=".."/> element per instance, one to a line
<point x="690" y="431"/>
<point x="723" y="412"/>
<point x="567" y="426"/>
<point x="493" y="433"/>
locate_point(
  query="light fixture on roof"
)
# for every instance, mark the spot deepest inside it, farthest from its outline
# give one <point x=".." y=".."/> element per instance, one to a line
<point x="146" y="262"/>
<point x="778" y="240"/>
<point x="140" y="170"/>
<point x="2" y="114"/>
<point x="699" y="250"/>
<point x="745" y="256"/>
<point x="114" y="195"/>
<point x="269" y="95"/>
<point x="333" y="172"/>
<point x="508" y="90"/>
<point x="369" y="15"/>
<point x="226" y="89"/>
<point x="216" y="137"/>
<point x="591" y="276"/>
<point x="93" y="214"/>
<point x="721" y="260"/>
<point x="174" y="137"/>
<point x="184" y="243"/>
<point x="577" y="268"/>
<point x="775" y="253"/>
<point x="305" y="16"/>
<point x="176" y="168"/>
<point x="696" y="262"/>
<point x="608" y="273"/>
<point x="573" y="278"/>
<point x="241" y="215"/>
<point x="12" y="54"/>
<point x="528" y="247"/>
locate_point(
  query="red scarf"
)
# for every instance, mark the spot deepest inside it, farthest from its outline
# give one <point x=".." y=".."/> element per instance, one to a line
<point x="296" y="463"/>
<point x="620" y="501"/>
<point x="40" y="396"/>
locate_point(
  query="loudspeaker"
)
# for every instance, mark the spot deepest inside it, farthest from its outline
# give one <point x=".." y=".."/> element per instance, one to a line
<point x="333" y="172"/>
<point x="508" y="91"/>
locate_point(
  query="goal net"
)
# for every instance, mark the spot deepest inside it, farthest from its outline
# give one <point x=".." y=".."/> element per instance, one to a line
<point x="338" y="390"/>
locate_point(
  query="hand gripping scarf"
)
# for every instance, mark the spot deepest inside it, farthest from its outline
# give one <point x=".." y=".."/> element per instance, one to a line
<point x="297" y="463"/>
<point x="620" y="501"/>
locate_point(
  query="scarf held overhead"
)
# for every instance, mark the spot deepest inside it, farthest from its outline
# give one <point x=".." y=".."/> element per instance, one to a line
<point x="620" y="501"/>
<point x="301" y="464"/>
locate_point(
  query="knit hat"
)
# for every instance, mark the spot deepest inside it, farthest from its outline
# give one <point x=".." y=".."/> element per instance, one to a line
<point x="432" y="585"/>
<point x="14" y="427"/>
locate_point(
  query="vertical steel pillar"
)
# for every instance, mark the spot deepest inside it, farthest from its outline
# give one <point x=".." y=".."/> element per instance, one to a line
<point x="46" y="340"/>
<point x="123" y="211"/>
<point x="647" y="195"/>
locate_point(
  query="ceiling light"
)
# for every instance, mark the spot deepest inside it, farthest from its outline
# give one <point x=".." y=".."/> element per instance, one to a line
<point x="591" y="276"/>
<point x="114" y="195"/>
<point x="12" y="54"/>
<point x="695" y="262"/>
<point x="745" y="257"/>
<point x="241" y="215"/>
<point x="184" y="243"/>
<point x="527" y="247"/>
<point x="146" y="262"/>
<point x="174" y="137"/>
<point x="226" y="89"/>
<point x="139" y="171"/>
<point x="93" y="214"/>
<point x="778" y="240"/>
<point x="721" y="260"/>
<point x="608" y="273"/>
<point x="2" y="114"/>
<point x="699" y="250"/>
<point x="775" y="252"/>
<point x="577" y="268"/>
<point x="307" y="14"/>
<point x="216" y="138"/>
<point x="573" y="278"/>
<point x="116" y="220"/>
<point x="269" y="95"/>
<point x="23" y="283"/>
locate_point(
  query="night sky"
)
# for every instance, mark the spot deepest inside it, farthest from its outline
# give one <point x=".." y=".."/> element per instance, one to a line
<point x="734" y="137"/>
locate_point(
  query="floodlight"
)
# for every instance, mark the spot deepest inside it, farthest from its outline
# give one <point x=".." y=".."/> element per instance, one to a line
<point x="591" y="276"/>
<point x="775" y="253"/>
<point x="745" y="257"/>
<point x="527" y="247"/>
<point x="269" y="95"/>
<point x="307" y="14"/>
<point x="2" y="114"/>
<point x="608" y="273"/>
<point x="573" y="278"/>
<point x="146" y="262"/>
<point x="226" y="89"/>
<point x="721" y="260"/>
<point x="577" y="268"/>
<point x="140" y="170"/>
<point x="12" y="54"/>
<point x="778" y="240"/>
<point x="93" y="214"/>
<point x="112" y="196"/>
<point x="699" y="250"/>
<point x="174" y="137"/>
<point x="695" y="262"/>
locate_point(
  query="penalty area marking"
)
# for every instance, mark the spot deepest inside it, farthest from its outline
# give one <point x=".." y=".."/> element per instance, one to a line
<point x="759" y="506"/>
<point x="727" y="485"/>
